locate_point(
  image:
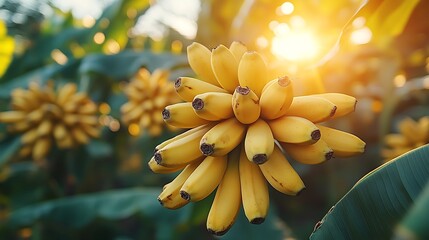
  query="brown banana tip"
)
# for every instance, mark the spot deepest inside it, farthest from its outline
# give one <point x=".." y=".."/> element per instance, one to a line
<point x="217" y="233"/>
<point x="166" y="114"/>
<point x="354" y="108"/>
<point x="329" y="155"/>
<point x="242" y="90"/>
<point x="198" y="104"/>
<point x="160" y="202"/>
<point x="185" y="195"/>
<point x="300" y="191"/>
<point x="315" y="135"/>
<point x="158" y="158"/>
<point x="334" y="109"/>
<point x="207" y="149"/>
<point x="258" y="220"/>
<point x="260" y="158"/>
<point x="178" y="82"/>
<point x="283" y="81"/>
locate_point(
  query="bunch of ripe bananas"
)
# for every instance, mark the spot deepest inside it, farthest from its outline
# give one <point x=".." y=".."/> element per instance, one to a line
<point x="242" y="122"/>
<point x="148" y="95"/>
<point x="412" y="134"/>
<point x="45" y="117"/>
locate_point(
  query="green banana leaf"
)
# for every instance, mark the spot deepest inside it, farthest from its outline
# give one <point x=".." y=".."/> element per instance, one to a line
<point x="8" y="147"/>
<point x="378" y="202"/>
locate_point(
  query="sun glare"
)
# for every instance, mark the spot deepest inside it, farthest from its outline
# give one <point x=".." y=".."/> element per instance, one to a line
<point x="295" y="46"/>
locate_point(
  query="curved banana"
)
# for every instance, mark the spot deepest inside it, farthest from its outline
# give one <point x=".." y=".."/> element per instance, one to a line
<point x="222" y="138"/>
<point x="237" y="49"/>
<point x="170" y="196"/>
<point x="396" y="140"/>
<point x="252" y="72"/>
<point x="245" y="104"/>
<point x="296" y="130"/>
<point x="12" y="116"/>
<point x="259" y="142"/>
<point x="227" y="201"/>
<point x="410" y="129"/>
<point x="309" y="154"/>
<point x="213" y="106"/>
<point x="65" y="93"/>
<point x="276" y="98"/>
<point x="254" y="191"/>
<point x="182" y="115"/>
<point x="281" y="175"/>
<point x="342" y="143"/>
<point x="199" y="58"/>
<point x="181" y="151"/>
<point x="41" y="148"/>
<point x="156" y="168"/>
<point x="182" y="135"/>
<point x="315" y="109"/>
<point x="205" y="178"/>
<point x="225" y="67"/>
<point x="187" y="88"/>
<point x="345" y="104"/>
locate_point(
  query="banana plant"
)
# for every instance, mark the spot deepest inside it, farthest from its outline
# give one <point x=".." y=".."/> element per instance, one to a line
<point x="390" y="202"/>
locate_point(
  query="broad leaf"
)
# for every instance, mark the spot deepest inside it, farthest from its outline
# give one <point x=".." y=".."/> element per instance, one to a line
<point x="374" y="206"/>
<point x="127" y="63"/>
<point x="78" y="211"/>
<point x="8" y="148"/>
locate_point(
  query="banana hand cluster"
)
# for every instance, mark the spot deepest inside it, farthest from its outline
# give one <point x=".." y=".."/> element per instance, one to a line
<point x="148" y="94"/>
<point x="412" y="134"/>
<point x="241" y="125"/>
<point x="45" y="117"/>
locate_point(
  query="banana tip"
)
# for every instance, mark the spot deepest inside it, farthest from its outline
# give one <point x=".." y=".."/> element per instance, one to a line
<point x="198" y="104"/>
<point x="283" y="81"/>
<point x="334" y="109"/>
<point x="300" y="191"/>
<point x="158" y="158"/>
<point x="166" y="114"/>
<point x="160" y="202"/>
<point x="207" y="149"/>
<point x="315" y="135"/>
<point x="242" y="90"/>
<point x="185" y="195"/>
<point x="217" y="233"/>
<point x="329" y="155"/>
<point x="257" y="220"/>
<point x="260" y="158"/>
<point x="178" y="82"/>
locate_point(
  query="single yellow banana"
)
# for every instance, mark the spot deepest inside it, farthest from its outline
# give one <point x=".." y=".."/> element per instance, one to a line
<point x="237" y="49"/>
<point x="199" y="58"/>
<point x="245" y="104"/>
<point x="187" y="88"/>
<point x="181" y="151"/>
<point x="259" y="142"/>
<point x="225" y="67"/>
<point x="213" y="106"/>
<point x="222" y="138"/>
<point x="315" y="109"/>
<point x="254" y="191"/>
<point x="345" y="104"/>
<point x="156" y="168"/>
<point x="281" y="175"/>
<point x="12" y="116"/>
<point x="44" y="128"/>
<point x="309" y="154"/>
<point x="205" y="178"/>
<point x="182" y="115"/>
<point x="170" y="196"/>
<point x="252" y="72"/>
<point x="276" y="98"/>
<point x="296" y="130"/>
<point x="79" y="135"/>
<point x="65" y="93"/>
<point x="396" y="140"/>
<point x="342" y="143"/>
<point x="182" y="135"/>
<point x="92" y="131"/>
<point x="227" y="201"/>
<point x="409" y="128"/>
<point x="29" y="137"/>
<point x="41" y="148"/>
